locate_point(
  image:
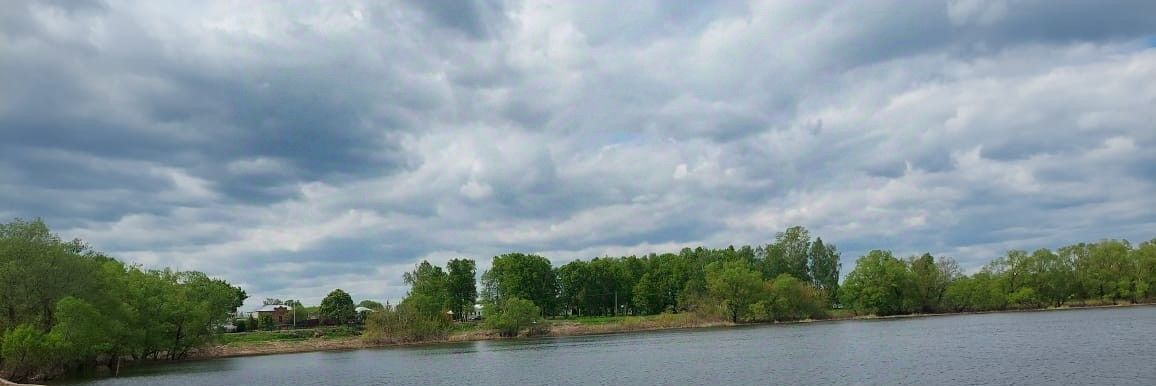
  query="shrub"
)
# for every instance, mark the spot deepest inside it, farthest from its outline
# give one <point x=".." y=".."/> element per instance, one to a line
<point x="406" y="323"/>
<point x="513" y="316"/>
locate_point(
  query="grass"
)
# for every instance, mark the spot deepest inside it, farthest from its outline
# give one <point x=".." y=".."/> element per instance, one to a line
<point x="245" y="338"/>
<point x="600" y="320"/>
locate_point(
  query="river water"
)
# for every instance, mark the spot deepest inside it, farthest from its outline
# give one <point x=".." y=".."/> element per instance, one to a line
<point x="1080" y="347"/>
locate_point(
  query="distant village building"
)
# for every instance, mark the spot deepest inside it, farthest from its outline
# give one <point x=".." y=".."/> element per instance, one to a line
<point x="279" y="313"/>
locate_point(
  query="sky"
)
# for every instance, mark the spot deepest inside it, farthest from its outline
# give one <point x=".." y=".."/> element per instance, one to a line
<point x="297" y="147"/>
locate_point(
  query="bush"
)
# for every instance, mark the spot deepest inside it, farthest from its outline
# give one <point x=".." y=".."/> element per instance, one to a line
<point x="515" y="315"/>
<point x="267" y="323"/>
<point x="406" y="323"/>
<point x="27" y="352"/>
<point x="242" y="325"/>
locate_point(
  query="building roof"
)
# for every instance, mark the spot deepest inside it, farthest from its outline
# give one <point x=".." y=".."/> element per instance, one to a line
<point x="362" y="309"/>
<point x="273" y="307"/>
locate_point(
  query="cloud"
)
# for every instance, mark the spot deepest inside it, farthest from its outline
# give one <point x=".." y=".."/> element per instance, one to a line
<point x="296" y="148"/>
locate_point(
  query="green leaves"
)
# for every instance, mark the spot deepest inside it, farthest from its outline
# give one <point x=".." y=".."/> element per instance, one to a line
<point x="338" y="307"/>
<point x="83" y="305"/>
<point x="462" y="286"/>
<point x="879" y="284"/>
<point x="529" y="277"/>
<point x="734" y="284"/>
<point x="513" y="316"/>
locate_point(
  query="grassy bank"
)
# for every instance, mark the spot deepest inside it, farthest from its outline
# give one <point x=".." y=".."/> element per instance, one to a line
<point x="345" y="338"/>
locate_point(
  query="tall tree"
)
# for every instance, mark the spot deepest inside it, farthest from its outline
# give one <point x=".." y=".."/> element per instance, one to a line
<point x="573" y="287"/>
<point x="529" y="277"/>
<point x="734" y="284"/>
<point x="1051" y="276"/>
<point x="825" y="266"/>
<point x="430" y="280"/>
<point x="1145" y="260"/>
<point x="931" y="278"/>
<point x="790" y="254"/>
<point x="880" y="284"/>
<point x="462" y="283"/>
<point x="337" y="307"/>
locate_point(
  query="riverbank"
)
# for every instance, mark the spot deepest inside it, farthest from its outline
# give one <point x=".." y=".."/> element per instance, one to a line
<point x="5" y="382"/>
<point x="561" y="328"/>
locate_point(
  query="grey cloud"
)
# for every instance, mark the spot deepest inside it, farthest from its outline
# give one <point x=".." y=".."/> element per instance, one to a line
<point x="304" y="147"/>
<point x="475" y="19"/>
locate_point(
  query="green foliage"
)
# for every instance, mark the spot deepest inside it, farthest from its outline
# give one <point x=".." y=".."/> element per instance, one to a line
<point x="930" y="279"/>
<point x="430" y="281"/>
<point x="462" y="286"/>
<point x="787" y="298"/>
<point x="1025" y="297"/>
<point x="513" y="316"/>
<point x="247" y="338"/>
<point x="602" y="286"/>
<point x="411" y="321"/>
<point x="82" y="328"/>
<point x="266" y="322"/>
<point x="734" y="284"/>
<point x="518" y="275"/>
<point x="790" y="253"/>
<point x="26" y="350"/>
<point x="879" y="284"/>
<point x="370" y="304"/>
<point x="84" y="305"/>
<point x="337" y="307"/>
<point x="825" y="265"/>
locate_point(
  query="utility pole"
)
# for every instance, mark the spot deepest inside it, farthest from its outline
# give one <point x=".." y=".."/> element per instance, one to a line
<point x="615" y="303"/>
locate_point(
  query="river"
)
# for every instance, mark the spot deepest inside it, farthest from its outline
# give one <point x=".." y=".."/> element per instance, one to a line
<point x="1115" y="346"/>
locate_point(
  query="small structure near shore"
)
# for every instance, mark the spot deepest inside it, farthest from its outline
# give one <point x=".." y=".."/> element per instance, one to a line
<point x="279" y="313"/>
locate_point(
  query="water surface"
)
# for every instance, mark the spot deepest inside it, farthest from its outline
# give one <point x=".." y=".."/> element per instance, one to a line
<point x="1079" y="347"/>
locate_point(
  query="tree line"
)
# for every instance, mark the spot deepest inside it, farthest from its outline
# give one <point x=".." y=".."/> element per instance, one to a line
<point x="1104" y="272"/>
<point x="791" y="278"/>
<point x="66" y="307"/>
<point x="794" y="277"/>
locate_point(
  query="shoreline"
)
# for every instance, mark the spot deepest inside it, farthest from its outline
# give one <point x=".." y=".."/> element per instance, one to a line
<point x="559" y="328"/>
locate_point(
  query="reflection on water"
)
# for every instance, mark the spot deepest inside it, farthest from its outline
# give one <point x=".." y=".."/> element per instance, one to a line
<point x="1102" y="346"/>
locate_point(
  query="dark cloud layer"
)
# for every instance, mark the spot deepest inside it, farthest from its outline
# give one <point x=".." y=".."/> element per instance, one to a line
<point x="298" y="147"/>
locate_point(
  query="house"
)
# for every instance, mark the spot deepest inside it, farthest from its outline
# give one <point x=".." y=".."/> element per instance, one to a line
<point x="280" y="314"/>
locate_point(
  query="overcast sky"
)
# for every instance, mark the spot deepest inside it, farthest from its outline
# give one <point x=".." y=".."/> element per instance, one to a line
<point x="297" y="147"/>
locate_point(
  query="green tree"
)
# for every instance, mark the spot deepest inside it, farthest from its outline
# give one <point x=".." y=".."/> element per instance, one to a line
<point x="87" y="308"/>
<point x="26" y="350"/>
<point x="930" y="279"/>
<point x="429" y="280"/>
<point x="1050" y="276"/>
<point x="879" y="284"/>
<point x="337" y="307"/>
<point x="789" y="254"/>
<point x="573" y="286"/>
<point x="734" y="284"/>
<point x="462" y="283"/>
<point x="825" y="267"/>
<point x="788" y="298"/>
<point x="529" y="277"/>
<point x="370" y="304"/>
<point x="1145" y="261"/>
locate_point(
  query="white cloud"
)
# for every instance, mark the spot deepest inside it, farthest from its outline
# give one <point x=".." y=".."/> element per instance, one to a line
<point x="297" y="148"/>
